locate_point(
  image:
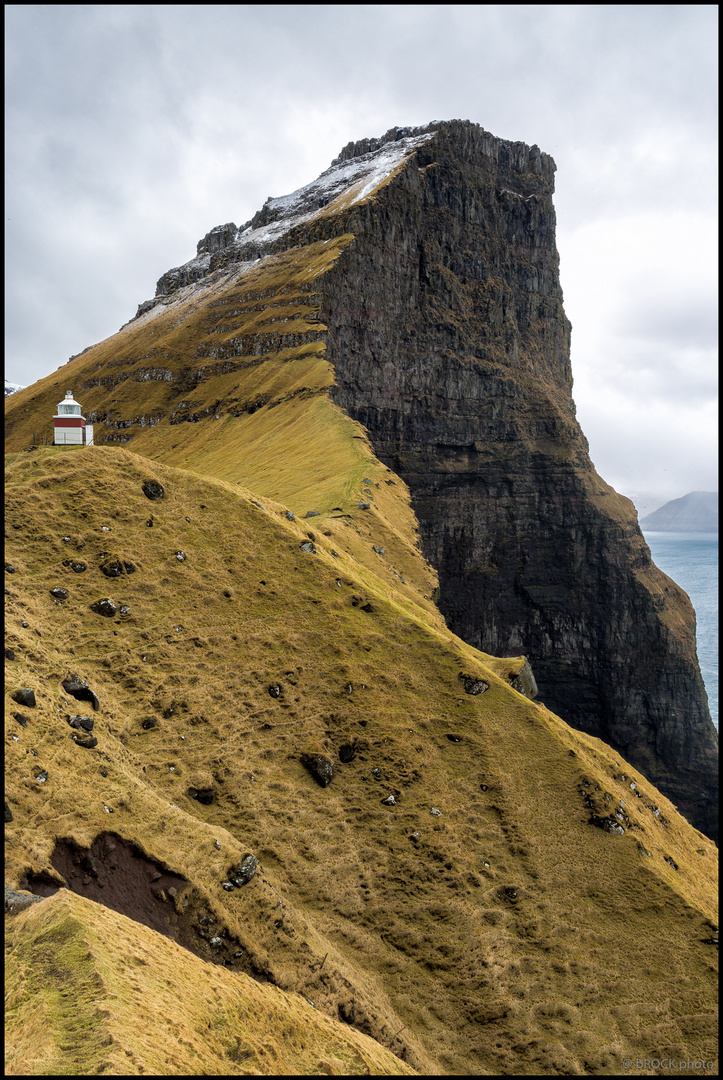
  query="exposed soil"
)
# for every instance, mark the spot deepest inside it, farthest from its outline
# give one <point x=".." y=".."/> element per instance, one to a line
<point x="116" y="873"/>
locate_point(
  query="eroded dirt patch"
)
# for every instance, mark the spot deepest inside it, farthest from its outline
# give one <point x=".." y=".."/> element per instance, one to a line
<point x="115" y="872"/>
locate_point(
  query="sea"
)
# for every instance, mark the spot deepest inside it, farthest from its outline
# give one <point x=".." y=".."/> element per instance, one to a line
<point x="691" y="560"/>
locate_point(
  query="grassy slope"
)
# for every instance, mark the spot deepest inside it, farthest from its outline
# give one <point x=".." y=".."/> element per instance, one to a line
<point x="510" y="935"/>
<point x="597" y="956"/>
<point x="79" y="976"/>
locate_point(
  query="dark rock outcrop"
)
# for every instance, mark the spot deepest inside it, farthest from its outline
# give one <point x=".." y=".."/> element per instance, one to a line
<point x="320" y="767"/>
<point x="24" y="696"/>
<point x="80" y="690"/>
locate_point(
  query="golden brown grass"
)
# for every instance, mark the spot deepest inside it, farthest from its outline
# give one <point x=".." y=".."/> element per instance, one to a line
<point x="89" y="991"/>
<point x="509" y="936"/>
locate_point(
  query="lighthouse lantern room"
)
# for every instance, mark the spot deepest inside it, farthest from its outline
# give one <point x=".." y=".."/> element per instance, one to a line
<point x="68" y="424"/>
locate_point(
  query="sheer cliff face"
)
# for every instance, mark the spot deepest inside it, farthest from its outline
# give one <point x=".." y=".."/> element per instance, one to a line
<point x="450" y="344"/>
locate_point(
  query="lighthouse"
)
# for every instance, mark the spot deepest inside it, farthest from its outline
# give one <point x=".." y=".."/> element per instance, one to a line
<point x="69" y="427"/>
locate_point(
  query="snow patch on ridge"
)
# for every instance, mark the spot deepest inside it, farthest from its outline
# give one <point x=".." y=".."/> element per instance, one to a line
<point x="345" y="183"/>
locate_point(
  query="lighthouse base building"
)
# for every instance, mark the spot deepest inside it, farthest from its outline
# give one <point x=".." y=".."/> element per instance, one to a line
<point x="69" y="426"/>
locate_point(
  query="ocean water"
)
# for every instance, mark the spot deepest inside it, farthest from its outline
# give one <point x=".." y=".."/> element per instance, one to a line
<point x="691" y="560"/>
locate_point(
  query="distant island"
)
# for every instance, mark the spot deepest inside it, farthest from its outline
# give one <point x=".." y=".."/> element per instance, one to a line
<point x="695" y="512"/>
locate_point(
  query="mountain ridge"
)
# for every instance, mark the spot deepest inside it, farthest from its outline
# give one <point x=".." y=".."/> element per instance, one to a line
<point x="695" y="512"/>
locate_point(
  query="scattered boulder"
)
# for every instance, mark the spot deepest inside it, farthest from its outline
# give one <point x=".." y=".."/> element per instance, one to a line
<point x="435" y="812"/>
<point x="9" y="654"/>
<point x="320" y="767"/>
<point x="181" y="556"/>
<point x="15" y="901"/>
<point x="21" y="719"/>
<point x="84" y="722"/>
<point x="79" y="689"/>
<point x="105" y="607"/>
<point x="311" y="513"/>
<point x="202" y="795"/>
<point x="149" y="723"/>
<point x="364" y="506"/>
<point x="389" y="801"/>
<point x="9" y="568"/>
<point x="524" y="681"/>
<point x="473" y="685"/>
<point x="153" y="490"/>
<point x="8" y="812"/>
<point x="59" y="594"/>
<point x="307" y="546"/>
<point x="455" y="738"/>
<point x="241" y="875"/>
<point x="116" y="567"/>
<point x="88" y="743"/>
<point x="25" y="696"/>
<point x="347" y="751"/>
<point x="607" y="824"/>
<point x="275" y="690"/>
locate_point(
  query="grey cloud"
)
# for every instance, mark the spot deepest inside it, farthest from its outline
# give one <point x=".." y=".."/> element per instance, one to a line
<point x="132" y="130"/>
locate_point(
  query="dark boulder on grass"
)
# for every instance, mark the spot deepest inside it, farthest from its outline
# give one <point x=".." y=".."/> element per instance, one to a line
<point x="25" y="696"/>
<point x="320" y="767"/>
<point x="88" y="742"/>
<point x="105" y="607"/>
<point x="81" y="722"/>
<point x="79" y="689"/>
<point x="153" y="490"/>
<point x="117" y="567"/>
<point x="473" y="685"/>
<point x="242" y="873"/>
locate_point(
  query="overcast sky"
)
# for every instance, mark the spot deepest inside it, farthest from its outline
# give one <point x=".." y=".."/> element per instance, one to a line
<point x="131" y="130"/>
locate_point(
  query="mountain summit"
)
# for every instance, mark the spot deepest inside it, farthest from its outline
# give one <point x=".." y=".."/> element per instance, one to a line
<point x="346" y="713"/>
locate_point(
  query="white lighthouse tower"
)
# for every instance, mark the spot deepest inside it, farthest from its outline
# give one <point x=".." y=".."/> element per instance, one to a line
<point x="69" y="426"/>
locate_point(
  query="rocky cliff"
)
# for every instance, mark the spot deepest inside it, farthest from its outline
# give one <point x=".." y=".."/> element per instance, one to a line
<point x="416" y="281"/>
<point x="450" y="344"/>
